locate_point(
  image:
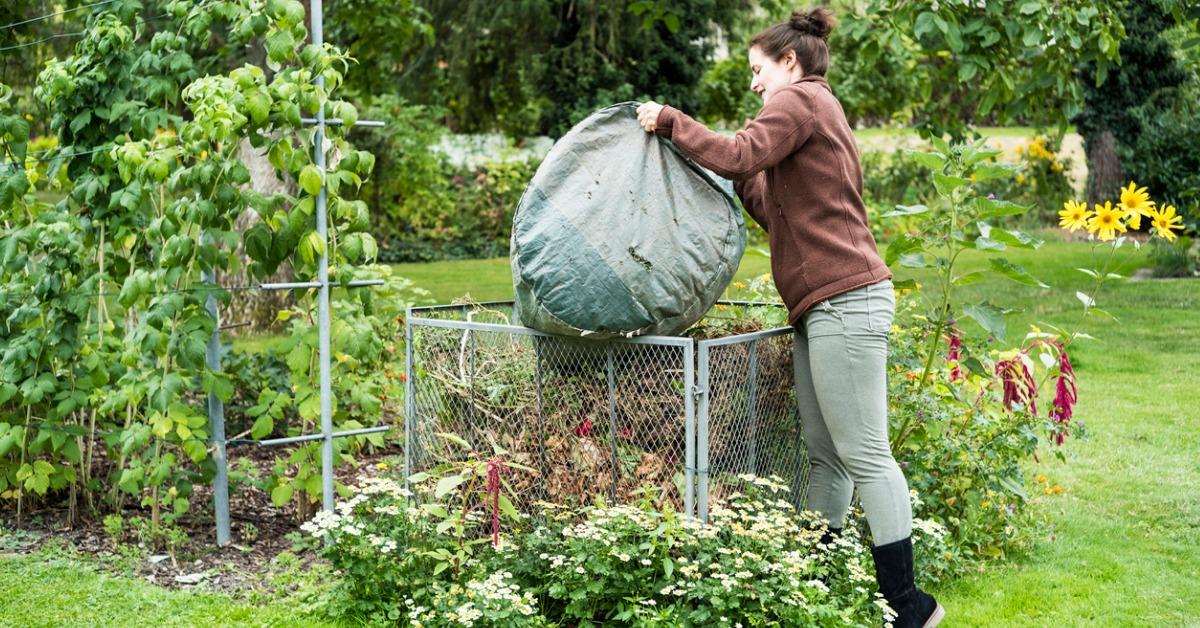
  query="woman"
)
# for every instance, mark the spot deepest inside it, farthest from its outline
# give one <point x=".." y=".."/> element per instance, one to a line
<point x="797" y="171"/>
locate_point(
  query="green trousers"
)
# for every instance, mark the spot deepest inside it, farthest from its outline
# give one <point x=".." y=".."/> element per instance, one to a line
<point x="840" y="360"/>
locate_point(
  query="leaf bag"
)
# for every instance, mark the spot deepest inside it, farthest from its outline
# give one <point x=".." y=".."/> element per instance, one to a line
<point x="619" y="234"/>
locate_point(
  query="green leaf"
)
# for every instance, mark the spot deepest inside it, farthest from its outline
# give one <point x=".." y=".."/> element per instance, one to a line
<point x="345" y="112"/>
<point x="507" y="508"/>
<point x="989" y="317"/>
<point x="81" y="120"/>
<point x="1013" y="487"/>
<point x="987" y="172"/>
<point x="1016" y="273"/>
<point x="311" y="179"/>
<point x="436" y="510"/>
<point x="313" y="485"/>
<point x="259" y="106"/>
<point x="975" y="366"/>
<point x="447" y="484"/>
<point x="984" y="243"/>
<point x="1103" y="312"/>
<point x="262" y="426"/>
<point x="902" y="245"/>
<point x="258" y="242"/>
<point x="929" y="159"/>
<point x="966" y="71"/>
<point x="1018" y="239"/>
<point x="280" y="45"/>
<point x="946" y="184"/>
<point x="907" y="210"/>
<point x="454" y="438"/>
<point x="993" y="208"/>
<point x="969" y="278"/>
<point x="281" y="494"/>
<point x="914" y="260"/>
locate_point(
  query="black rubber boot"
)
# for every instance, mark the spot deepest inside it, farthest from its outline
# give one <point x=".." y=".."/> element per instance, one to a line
<point x="894" y="572"/>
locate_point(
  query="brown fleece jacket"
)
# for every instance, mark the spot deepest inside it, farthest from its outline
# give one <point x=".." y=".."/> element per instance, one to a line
<point x="797" y="171"/>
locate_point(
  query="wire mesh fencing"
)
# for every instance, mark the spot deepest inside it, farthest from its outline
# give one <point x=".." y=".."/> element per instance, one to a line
<point x="667" y="417"/>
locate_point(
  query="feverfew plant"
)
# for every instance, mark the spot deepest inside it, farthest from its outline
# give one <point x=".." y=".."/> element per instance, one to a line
<point x="756" y="562"/>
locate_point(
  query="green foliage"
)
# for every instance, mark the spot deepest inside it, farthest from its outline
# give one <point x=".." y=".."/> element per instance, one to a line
<point x="529" y="66"/>
<point x="756" y="562"/>
<point x="103" y="346"/>
<point x="1040" y="182"/>
<point x="950" y="63"/>
<point x="1178" y="259"/>
<point x="963" y="451"/>
<point x="1128" y="99"/>
<point x="1163" y="156"/>
<point x="478" y="225"/>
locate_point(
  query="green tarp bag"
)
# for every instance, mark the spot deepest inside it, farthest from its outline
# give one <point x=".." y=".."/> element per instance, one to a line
<point x="619" y="234"/>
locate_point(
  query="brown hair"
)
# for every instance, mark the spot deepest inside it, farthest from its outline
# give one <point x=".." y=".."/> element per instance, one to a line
<point x="807" y="33"/>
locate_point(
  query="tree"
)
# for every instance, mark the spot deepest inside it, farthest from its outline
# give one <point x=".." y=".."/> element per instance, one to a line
<point x="950" y="64"/>
<point x="1133" y="121"/>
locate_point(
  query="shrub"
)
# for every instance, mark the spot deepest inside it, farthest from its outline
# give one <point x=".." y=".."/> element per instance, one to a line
<point x="757" y="562"/>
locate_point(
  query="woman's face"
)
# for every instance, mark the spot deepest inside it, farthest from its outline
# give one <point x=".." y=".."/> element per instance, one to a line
<point x="771" y="75"/>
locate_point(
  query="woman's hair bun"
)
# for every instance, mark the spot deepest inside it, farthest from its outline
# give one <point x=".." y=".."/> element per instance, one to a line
<point x="817" y="22"/>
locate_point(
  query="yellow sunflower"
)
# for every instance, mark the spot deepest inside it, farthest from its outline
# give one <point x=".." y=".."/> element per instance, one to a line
<point x="1106" y="222"/>
<point x="1074" y="216"/>
<point x="1136" y="203"/>
<point x="1164" y="220"/>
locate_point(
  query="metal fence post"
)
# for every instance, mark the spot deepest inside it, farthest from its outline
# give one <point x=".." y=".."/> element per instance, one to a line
<point x="410" y="404"/>
<point x="689" y="429"/>
<point x="318" y="38"/>
<point x="216" y="419"/>
<point x="702" y="435"/>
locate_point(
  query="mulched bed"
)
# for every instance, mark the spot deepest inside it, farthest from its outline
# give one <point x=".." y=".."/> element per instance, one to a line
<point x="259" y="532"/>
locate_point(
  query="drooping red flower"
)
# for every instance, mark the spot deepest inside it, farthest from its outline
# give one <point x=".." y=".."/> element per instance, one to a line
<point x="1019" y="385"/>
<point x="494" y="467"/>
<point x="954" y="354"/>
<point x="583" y="430"/>
<point x="1065" y="394"/>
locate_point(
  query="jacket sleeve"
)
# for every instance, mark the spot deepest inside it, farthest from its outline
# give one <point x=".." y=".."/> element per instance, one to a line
<point x="750" y="190"/>
<point x="783" y="125"/>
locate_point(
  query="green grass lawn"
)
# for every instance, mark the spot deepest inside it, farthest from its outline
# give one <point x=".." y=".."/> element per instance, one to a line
<point x="1126" y="545"/>
<point x="55" y="590"/>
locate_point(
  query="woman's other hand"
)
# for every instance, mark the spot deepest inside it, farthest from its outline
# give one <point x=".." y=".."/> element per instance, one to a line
<point x="647" y="115"/>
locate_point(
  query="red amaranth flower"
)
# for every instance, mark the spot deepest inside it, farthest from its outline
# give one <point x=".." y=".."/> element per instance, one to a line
<point x="1019" y="385"/>
<point x="494" y="467"/>
<point x="954" y="354"/>
<point x="1065" y="394"/>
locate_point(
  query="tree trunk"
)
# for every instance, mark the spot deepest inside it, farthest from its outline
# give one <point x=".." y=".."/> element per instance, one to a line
<point x="256" y="310"/>
<point x="1106" y="176"/>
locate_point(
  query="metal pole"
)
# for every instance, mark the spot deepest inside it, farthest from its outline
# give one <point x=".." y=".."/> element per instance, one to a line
<point x="216" y="419"/>
<point x="689" y="429"/>
<point x="702" y="437"/>
<point x="612" y="423"/>
<point x="752" y="407"/>
<point x="318" y="39"/>
<point x="311" y="437"/>
<point x="410" y="404"/>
